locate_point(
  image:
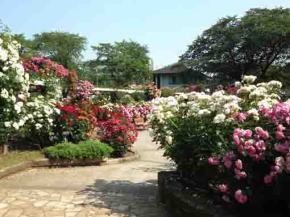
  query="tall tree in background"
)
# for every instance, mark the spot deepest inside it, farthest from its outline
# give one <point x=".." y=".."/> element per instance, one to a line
<point x="62" y="47"/>
<point x="27" y="49"/>
<point x="126" y="62"/>
<point x="257" y="43"/>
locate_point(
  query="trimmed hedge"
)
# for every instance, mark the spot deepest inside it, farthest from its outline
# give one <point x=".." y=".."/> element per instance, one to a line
<point x="85" y="150"/>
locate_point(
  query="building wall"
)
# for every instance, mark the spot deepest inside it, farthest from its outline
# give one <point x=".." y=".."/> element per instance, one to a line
<point x="170" y="80"/>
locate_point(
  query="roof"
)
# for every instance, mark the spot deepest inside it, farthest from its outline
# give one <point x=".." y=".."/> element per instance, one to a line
<point x="171" y="69"/>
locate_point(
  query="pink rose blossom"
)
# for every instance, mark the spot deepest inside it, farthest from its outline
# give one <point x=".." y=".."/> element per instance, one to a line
<point x="240" y="197"/>
<point x="280" y="127"/>
<point x="268" y="179"/>
<point x="280" y="135"/>
<point x="236" y="139"/>
<point x="228" y="164"/>
<point x="239" y="174"/>
<point x="248" y="133"/>
<point x="241" y="117"/>
<point x="213" y="161"/>
<point x="223" y="188"/>
<point x="262" y="133"/>
<point x="283" y="147"/>
<point x="226" y="198"/>
<point x="239" y="164"/>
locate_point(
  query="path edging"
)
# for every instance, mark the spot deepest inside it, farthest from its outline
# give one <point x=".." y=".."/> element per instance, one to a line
<point x="44" y="162"/>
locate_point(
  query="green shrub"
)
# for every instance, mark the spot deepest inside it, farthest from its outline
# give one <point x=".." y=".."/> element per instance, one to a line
<point x="166" y="92"/>
<point x="89" y="150"/>
<point x="138" y="96"/>
<point x="126" y="100"/>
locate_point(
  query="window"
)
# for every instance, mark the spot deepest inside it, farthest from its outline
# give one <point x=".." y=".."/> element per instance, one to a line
<point x="173" y="79"/>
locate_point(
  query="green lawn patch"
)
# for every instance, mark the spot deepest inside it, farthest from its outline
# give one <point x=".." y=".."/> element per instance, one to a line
<point x="17" y="157"/>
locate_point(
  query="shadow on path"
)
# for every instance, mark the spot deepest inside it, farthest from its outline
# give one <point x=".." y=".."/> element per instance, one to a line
<point x="125" y="197"/>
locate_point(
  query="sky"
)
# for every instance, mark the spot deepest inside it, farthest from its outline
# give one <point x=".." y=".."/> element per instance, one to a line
<point x="166" y="27"/>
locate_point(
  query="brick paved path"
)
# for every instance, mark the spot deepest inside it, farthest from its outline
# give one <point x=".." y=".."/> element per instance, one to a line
<point x="120" y="190"/>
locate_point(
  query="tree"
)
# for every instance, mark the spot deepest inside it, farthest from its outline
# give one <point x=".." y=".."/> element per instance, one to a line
<point x="253" y="44"/>
<point x="27" y="49"/>
<point x="126" y="62"/>
<point x="4" y="28"/>
<point x="93" y="72"/>
<point x="62" y="47"/>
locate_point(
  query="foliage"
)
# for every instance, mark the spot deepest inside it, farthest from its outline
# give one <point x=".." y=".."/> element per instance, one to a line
<point x="253" y="44"/>
<point x="127" y="100"/>
<point x="151" y="91"/>
<point x="138" y="96"/>
<point x="61" y="47"/>
<point x="26" y="50"/>
<point x="90" y="70"/>
<point x="85" y="150"/>
<point x="126" y="62"/>
<point x="166" y="92"/>
<point x="14" y="85"/>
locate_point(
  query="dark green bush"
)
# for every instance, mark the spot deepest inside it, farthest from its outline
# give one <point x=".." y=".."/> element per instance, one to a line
<point x="166" y="92"/>
<point x="138" y="96"/>
<point x="85" y="150"/>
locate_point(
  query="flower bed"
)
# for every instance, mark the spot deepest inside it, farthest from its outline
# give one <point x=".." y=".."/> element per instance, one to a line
<point x="82" y="121"/>
<point x="231" y="143"/>
<point x="34" y="110"/>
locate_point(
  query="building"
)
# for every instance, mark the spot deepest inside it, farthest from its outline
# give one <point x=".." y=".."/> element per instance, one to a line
<point x="174" y="75"/>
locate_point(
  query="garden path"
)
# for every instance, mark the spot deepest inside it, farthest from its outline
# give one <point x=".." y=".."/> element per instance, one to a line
<point x="120" y="190"/>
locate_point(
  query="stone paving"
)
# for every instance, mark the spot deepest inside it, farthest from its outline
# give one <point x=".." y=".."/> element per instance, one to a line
<point x="122" y="190"/>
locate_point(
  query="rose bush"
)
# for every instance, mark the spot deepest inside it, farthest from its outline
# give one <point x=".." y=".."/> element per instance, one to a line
<point x="230" y="141"/>
<point x="84" y="90"/>
<point x="40" y="111"/>
<point x="259" y="163"/>
<point x="46" y="76"/>
<point x="14" y="85"/>
<point x="84" y="120"/>
<point x="115" y="129"/>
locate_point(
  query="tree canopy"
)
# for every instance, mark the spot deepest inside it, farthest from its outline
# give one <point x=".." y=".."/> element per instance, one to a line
<point x="126" y="62"/>
<point x="63" y="47"/>
<point x="257" y="43"/>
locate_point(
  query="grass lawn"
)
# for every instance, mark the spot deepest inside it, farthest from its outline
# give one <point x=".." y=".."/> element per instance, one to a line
<point x="17" y="157"/>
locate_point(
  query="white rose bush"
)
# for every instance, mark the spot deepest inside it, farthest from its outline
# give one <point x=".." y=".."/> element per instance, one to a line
<point x="29" y="93"/>
<point x="14" y="85"/>
<point x="233" y="144"/>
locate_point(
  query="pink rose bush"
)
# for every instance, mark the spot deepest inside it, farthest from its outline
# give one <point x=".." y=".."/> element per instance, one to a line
<point x="131" y="112"/>
<point x="261" y="152"/>
<point x="84" y="90"/>
<point x="44" y="66"/>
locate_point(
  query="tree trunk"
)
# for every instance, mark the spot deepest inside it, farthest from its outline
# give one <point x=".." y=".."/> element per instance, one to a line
<point x="5" y="149"/>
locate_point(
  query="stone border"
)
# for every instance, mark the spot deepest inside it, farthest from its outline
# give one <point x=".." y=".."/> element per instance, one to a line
<point x="44" y="162"/>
